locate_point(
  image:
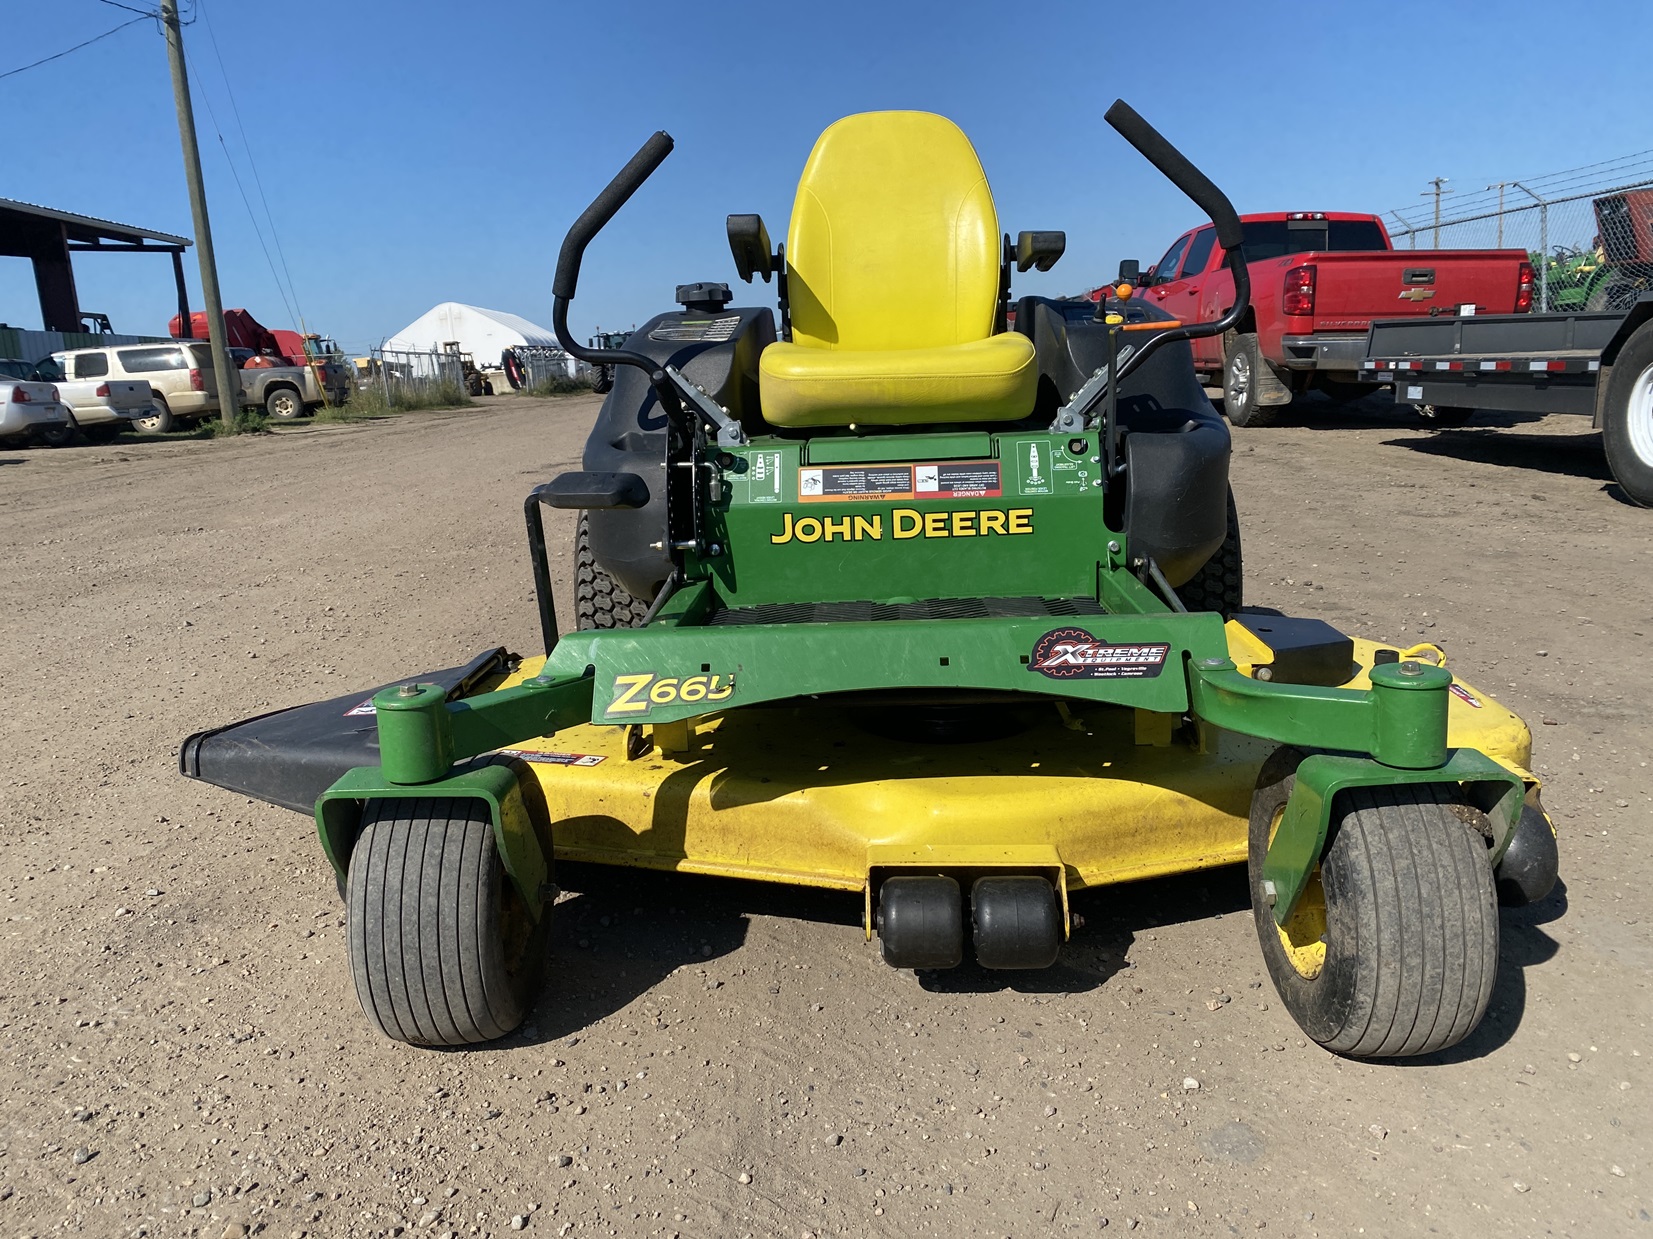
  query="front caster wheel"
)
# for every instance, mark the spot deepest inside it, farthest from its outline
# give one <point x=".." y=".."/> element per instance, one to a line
<point x="441" y="945"/>
<point x="1393" y="947"/>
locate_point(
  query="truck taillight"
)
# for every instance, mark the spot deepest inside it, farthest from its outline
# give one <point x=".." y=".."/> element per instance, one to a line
<point x="1298" y="294"/>
<point x="56" y="399"/>
<point x="1523" y="289"/>
<point x="103" y="391"/>
<point x="196" y="382"/>
<point x="19" y="396"/>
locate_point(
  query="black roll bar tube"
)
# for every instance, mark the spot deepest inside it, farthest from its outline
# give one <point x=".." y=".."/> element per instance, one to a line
<point x="1205" y="195"/>
<point x="592" y="221"/>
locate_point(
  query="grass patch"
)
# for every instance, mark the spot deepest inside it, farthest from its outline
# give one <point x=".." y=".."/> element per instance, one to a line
<point x="247" y="422"/>
<point x="367" y="402"/>
<point x="560" y="386"/>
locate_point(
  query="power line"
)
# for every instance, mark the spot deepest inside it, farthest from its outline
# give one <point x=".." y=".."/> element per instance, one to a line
<point x="295" y="308"/>
<point x="245" y="201"/>
<point x="66" y="51"/>
<point x="116" y="4"/>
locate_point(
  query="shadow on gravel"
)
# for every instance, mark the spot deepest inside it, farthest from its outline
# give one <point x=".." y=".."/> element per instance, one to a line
<point x="627" y="930"/>
<point x="1522" y="944"/>
<point x="1578" y="456"/>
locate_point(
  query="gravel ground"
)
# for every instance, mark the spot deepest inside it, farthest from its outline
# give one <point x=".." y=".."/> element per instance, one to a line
<point x="180" y="1048"/>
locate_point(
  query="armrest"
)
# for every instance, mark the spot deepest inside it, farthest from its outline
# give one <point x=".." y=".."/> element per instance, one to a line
<point x="749" y="243"/>
<point x="1039" y="249"/>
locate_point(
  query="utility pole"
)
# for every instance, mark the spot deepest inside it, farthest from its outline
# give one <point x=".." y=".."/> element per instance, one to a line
<point x="1500" y="188"/>
<point x="224" y="371"/>
<point x="1437" y="182"/>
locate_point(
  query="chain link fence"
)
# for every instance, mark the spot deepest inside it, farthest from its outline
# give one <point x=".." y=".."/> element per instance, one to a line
<point x="395" y="372"/>
<point x="1589" y="230"/>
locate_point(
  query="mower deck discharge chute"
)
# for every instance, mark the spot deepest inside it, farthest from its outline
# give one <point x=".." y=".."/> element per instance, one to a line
<point x="884" y="596"/>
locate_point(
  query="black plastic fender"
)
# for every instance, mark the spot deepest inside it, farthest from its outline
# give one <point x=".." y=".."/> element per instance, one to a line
<point x="1531" y="862"/>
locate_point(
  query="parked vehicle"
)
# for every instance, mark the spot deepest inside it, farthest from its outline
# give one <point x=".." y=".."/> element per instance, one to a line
<point x="1318" y="279"/>
<point x="102" y="407"/>
<point x="179" y="377"/>
<point x="282" y="390"/>
<point x="32" y="410"/>
<point x="1600" y="365"/>
<point x="315" y="353"/>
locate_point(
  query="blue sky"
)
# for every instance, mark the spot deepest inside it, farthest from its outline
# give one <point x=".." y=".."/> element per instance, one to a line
<point x="419" y="152"/>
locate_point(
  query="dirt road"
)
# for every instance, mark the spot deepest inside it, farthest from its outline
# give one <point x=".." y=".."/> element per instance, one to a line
<point x="180" y="1048"/>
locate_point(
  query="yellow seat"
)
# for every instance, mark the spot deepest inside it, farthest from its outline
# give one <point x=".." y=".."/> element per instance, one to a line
<point x="893" y="262"/>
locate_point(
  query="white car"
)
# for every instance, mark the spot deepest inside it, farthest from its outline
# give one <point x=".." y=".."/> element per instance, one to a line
<point x="102" y="408"/>
<point x="31" y="410"/>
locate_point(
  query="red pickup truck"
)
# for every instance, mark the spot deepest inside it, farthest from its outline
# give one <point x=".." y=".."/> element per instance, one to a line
<point x="1318" y="279"/>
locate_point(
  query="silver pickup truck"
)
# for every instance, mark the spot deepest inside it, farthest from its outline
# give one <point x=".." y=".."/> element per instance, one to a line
<point x="101" y="406"/>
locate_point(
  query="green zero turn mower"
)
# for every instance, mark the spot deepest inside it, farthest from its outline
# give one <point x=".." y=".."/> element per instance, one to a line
<point x="876" y="594"/>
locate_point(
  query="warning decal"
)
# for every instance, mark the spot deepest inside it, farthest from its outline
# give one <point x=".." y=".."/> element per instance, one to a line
<point x="950" y="479"/>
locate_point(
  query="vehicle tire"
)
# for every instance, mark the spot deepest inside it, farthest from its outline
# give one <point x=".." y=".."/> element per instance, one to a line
<point x="1627" y="417"/>
<point x="441" y="949"/>
<point x="284" y="403"/>
<point x="1393" y="948"/>
<point x="1445" y="416"/>
<point x="1242" y="371"/>
<point x="66" y="434"/>
<point x="512" y="365"/>
<point x="160" y="423"/>
<point x="599" y="600"/>
<point x="1219" y="585"/>
<point x="602" y="379"/>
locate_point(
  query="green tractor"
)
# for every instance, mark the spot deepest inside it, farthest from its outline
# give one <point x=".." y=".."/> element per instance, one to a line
<point x="602" y="377"/>
<point x="878" y="596"/>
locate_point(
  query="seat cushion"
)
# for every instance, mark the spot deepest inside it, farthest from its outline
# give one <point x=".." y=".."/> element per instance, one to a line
<point x="991" y="380"/>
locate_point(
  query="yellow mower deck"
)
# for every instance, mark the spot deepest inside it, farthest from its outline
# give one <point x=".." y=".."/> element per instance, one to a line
<point x="807" y="796"/>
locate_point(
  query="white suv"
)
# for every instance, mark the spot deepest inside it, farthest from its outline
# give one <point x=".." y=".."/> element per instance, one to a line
<point x="179" y="374"/>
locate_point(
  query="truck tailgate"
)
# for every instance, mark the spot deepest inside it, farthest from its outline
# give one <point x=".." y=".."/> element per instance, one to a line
<point x="129" y="397"/>
<point x="1352" y="289"/>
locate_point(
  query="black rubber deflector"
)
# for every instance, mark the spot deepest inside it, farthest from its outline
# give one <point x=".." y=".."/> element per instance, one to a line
<point x="921" y="922"/>
<point x="1017" y="922"/>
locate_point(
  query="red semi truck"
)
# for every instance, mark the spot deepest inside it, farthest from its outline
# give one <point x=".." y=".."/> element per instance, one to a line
<point x="1318" y="279"/>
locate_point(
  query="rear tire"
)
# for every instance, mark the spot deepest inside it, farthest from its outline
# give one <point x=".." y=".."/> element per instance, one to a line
<point x="602" y="379"/>
<point x="1242" y="380"/>
<point x="284" y="404"/>
<point x="65" y="434"/>
<point x="1220" y="585"/>
<point x="599" y="600"/>
<point x="441" y="948"/>
<point x="159" y="423"/>
<point x="1407" y="945"/>
<point x="1627" y="418"/>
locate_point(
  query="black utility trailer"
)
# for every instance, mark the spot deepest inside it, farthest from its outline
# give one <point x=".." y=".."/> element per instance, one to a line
<point x="1600" y="365"/>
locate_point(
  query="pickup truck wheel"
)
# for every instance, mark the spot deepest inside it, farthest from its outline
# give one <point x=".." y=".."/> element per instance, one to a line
<point x="158" y="423"/>
<point x="1627" y="418"/>
<point x="1242" y="369"/>
<point x="1445" y="416"/>
<point x="284" y="403"/>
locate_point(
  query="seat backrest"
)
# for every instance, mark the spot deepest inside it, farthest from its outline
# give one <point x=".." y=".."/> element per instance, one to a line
<point x="894" y="243"/>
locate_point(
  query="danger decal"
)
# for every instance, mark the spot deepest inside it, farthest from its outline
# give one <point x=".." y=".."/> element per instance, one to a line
<point x="637" y="693"/>
<point x="1465" y="696"/>
<point x="1074" y="654"/>
<point x="540" y="757"/>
